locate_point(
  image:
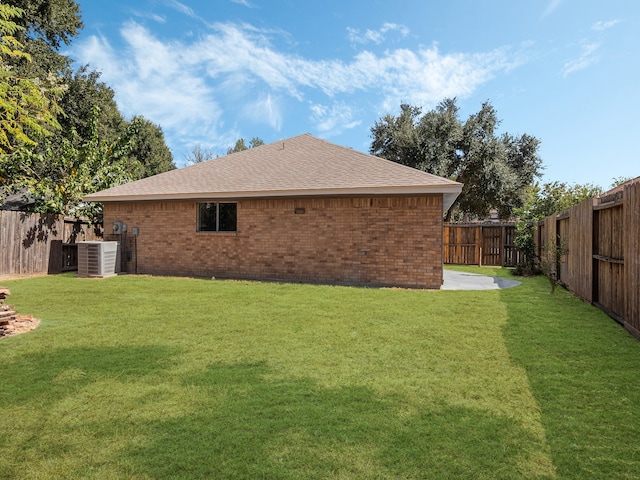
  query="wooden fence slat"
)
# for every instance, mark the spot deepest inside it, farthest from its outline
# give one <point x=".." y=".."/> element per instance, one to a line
<point x="602" y="265"/>
<point x="32" y="243"/>
<point x="546" y="239"/>
<point x="479" y="244"/>
<point x="580" y="248"/>
<point x="631" y="249"/>
<point x="608" y="290"/>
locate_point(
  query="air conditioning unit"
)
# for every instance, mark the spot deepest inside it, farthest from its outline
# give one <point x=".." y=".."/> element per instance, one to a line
<point x="118" y="228"/>
<point x="97" y="259"/>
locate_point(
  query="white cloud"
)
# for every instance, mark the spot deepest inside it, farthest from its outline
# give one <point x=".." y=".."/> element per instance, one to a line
<point x="551" y="7"/>
<point x="182" y="8"/>
<point x="424" y="73"/>
<point x="190" y="86"/>
<point x="244" y="3"/>
<point x="149" y="80"/>
<point x="587" y="58"/>
<point x="265" y="110"/>
<point x="602" y="26"/>
<point x="375" y="36"/>
<point x="334" y="119"/>
<point x="152" y="16"/>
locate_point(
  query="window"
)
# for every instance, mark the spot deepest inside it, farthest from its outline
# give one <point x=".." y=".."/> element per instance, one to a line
<point x="217" y="217"/>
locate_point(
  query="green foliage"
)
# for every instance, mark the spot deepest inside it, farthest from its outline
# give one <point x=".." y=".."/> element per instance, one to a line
<point x="54" y="22"/>
<point x="495" y="170"/>
<point x="554" y="197"/>
<point x="149" y="155"/>
<point x="241" y="145"/>
<point x="550" y="261"/>
<point x="523" y="241"/>
<point x="8" y="28"/>
<point x="149" y="150"/>
<point x="542" y="201"/>
<point x="46" y="25"/>
<point x="51" y="139"/>
<point x="59" y="175"/>
<point x="28" y="107"/>
<point x="306" y="381"/>
<point x="85" y="92"/>
<point x="616" y="181"/>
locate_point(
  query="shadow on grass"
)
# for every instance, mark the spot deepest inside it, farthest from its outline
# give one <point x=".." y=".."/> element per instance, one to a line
<point x="254" y="426"/>
<point x="48" y="376"/>
<point x="583" y="370"/>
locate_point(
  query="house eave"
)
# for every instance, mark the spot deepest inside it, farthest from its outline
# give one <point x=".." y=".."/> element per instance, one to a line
<point x="449" y="192"/>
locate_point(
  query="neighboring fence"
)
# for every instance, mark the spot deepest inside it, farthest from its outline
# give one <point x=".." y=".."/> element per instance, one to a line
<point x="480" y="244"/>
<point x="32" y="243"/>
<point x="602" y="260"/>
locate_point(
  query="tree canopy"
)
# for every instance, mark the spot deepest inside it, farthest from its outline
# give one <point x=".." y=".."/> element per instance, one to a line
<point x="554" y="197"/>
<point x="46" y="25"/>
<point x="28" y="107"/>
<point x="495" y="169"/>
<point x="199" y="154"/>
<point x="61" y="132"/>
<point x="85" y="92"/>
<point x="542" y="201"/>
<point x="149" y="149"/>
<point x="240" y="145"/>
<point x="59" y="174"/>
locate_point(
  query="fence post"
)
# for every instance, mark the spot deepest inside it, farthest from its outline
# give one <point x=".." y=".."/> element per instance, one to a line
<point x="479" y="244"/>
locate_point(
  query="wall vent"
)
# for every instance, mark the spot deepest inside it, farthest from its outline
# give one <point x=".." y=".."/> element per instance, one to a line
<point x="97" y="259"/>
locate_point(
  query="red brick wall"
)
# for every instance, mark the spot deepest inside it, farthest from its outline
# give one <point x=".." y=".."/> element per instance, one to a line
<point x="370" y="241"/>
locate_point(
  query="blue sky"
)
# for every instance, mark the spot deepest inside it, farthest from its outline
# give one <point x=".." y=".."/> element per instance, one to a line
<point x="212" y="71"/>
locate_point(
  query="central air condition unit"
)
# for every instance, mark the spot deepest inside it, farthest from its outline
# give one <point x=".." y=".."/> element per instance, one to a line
<point x="97" y="259"/>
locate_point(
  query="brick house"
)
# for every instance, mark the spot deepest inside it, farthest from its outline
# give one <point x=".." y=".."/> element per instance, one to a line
<point x="301" y="209"/>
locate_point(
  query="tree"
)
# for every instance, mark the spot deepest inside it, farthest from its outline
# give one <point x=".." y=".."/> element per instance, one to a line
<point x="542" y="201"/>
<point x="53" y="141"/>
<point x="617" y="181"/>
<point x="59" y="176"/>
<point x="85" y="92"/>
<point x="46" y="25"/>
<point x="554" y="197"/>
<point x="54" y="22"/>
<point x="241" y="145"/>
<point x="149" y="150"/>
<point x="495" y="170"/>
<point x="199" y="154"/>
<point x="28" y="107"/>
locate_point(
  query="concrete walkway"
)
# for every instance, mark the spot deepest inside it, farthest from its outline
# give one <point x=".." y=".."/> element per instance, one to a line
<point x="472" y="281"/>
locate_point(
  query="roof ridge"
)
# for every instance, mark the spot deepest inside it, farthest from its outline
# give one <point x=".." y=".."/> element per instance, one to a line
<point x="302" y="165"/>
<point x="370" y="155"/>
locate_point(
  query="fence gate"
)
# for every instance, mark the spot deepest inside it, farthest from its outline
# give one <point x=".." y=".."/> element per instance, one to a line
<point x="492" y="243"/>
<point x="480" y="244"/>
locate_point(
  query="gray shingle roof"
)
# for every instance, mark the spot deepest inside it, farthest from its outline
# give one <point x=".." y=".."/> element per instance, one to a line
<point x="295" y="167"/>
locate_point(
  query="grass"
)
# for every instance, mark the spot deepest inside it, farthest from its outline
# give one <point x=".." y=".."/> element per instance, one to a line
<point x="140" y="377"/>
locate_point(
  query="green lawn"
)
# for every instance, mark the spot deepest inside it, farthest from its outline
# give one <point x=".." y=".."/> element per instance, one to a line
<point x="140" y="377"/>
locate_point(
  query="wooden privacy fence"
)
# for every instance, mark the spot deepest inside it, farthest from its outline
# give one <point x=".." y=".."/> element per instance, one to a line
<point x="602" y="260"/>
<point x="480" y="244"/>
<point x="31" y="243"/>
